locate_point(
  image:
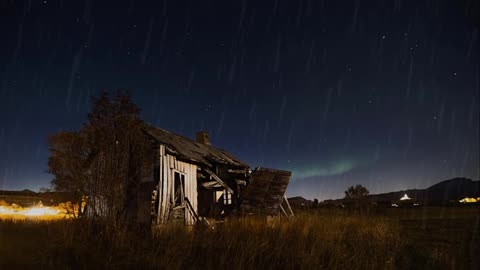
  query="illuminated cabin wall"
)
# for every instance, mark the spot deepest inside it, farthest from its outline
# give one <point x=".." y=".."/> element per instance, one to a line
<point x="168" y="166"/>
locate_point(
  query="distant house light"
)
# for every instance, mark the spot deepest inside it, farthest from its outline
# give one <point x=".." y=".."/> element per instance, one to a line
<point x="394" y="205"/>
<point x="405" y="197"/>
<point x="469" y="200"/>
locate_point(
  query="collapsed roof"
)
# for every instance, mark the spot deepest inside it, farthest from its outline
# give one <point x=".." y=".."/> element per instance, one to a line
<point x="189" y="150"/>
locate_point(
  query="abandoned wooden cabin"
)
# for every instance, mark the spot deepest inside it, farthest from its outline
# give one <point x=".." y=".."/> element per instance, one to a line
<point x="194" y="181"/>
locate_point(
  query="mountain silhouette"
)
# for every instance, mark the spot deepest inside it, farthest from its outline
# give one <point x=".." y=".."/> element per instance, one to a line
<point x="445" y="191"/>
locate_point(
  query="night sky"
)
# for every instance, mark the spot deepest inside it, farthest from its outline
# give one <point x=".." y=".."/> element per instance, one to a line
<point x="379" y="93"/>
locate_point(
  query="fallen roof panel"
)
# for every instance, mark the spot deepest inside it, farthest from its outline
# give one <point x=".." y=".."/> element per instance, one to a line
<point x="265" y="192"/>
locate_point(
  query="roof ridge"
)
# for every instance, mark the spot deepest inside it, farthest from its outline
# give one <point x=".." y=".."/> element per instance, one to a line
<point x="195" y="151"/>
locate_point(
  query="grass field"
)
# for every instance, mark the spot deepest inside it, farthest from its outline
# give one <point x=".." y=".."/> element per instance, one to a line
<point x="424" y="238"/>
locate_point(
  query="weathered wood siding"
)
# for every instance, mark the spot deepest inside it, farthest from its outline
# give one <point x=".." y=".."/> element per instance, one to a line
<point x="168" y="166"/>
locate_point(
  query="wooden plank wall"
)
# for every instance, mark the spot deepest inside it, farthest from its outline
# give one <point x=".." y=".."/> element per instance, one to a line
<point x="162" y="187"/>
<point x="168" y="165"/>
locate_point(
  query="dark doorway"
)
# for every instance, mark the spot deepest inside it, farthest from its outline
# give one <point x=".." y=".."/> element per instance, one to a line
<point x="179" y="188"/>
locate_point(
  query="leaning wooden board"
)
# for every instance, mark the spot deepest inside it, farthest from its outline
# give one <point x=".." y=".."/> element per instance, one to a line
<point x="265" y="192"/>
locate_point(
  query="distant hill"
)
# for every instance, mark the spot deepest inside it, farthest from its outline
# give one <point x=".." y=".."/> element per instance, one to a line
<point x="27" y="197"/>
<point x="445" y="191"/>
<point x="25" y="192"/>
<point x="300" y="202"/>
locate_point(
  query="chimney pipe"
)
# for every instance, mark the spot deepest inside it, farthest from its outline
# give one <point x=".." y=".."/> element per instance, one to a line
<point x="203" y="137"/>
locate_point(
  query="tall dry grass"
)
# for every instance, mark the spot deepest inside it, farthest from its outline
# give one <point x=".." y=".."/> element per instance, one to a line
<point x="309" y="241"/>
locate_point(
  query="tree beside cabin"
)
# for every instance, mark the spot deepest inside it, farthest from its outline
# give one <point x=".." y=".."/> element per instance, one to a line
<point x="127" y="170"/>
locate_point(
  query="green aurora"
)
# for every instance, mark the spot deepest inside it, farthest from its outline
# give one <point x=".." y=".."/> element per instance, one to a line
<point x="339" y="167"/>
